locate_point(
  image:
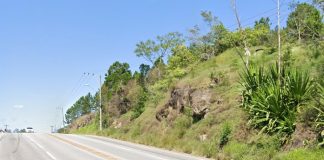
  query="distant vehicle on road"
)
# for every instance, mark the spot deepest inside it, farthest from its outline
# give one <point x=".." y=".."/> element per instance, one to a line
<point x="30" y="130"/>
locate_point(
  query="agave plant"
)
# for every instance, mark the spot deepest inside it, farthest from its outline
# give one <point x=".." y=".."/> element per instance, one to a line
<point x="320" y="107"/>
<point x="272" y="100"/>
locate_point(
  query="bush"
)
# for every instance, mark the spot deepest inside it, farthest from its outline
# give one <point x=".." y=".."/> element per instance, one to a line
<point x="140" y="105"/>
<point x="320" y="108"/>
<point x="270" y="50"/>
<point x="226" y="131"/>
<point x="272" y="105"/>
<point x="181" y="124"/>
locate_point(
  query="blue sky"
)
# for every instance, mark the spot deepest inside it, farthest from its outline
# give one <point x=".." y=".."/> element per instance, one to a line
<point x="46" y="45"/>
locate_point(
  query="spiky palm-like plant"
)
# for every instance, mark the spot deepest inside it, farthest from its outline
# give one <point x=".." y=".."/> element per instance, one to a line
<point x="272" y="102"/>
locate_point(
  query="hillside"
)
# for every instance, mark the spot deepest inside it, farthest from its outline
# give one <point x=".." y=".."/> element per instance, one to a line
<point x="203" y="99"/>
<point x="218" y="100"/>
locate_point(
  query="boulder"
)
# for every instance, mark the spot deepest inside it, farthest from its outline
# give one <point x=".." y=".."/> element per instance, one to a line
<point x="198" y="100"/>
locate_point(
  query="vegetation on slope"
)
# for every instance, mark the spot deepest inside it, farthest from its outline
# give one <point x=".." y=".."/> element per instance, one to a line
<point x="203" y="101"/>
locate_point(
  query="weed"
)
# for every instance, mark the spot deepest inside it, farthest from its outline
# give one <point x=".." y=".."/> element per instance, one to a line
<point x="224" y="138"/>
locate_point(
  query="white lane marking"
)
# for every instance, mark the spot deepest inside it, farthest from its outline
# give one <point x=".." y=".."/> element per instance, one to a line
<point x="48" y="153"/>
<point x="136" y="151"/>
<point x="85" y="151"/>
<point x="41" y="147"/>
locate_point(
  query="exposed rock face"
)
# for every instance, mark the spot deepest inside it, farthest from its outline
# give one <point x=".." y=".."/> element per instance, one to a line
<point x="200" y="102"/>
<point x="82" y="121"/>
<point x="119" y="105"/>
<point x="197" y="99"/>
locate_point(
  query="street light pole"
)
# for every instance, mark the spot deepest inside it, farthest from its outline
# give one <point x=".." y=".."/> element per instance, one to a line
<point x="63" y="120"/>
<point x="100" y="105"/>
<point x="100" y="100"/>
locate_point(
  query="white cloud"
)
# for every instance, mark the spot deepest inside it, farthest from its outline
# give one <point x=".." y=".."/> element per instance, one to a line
<point x="18" y="106"/>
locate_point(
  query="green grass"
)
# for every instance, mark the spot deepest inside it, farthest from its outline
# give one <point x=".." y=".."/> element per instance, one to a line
<point x="183" y="135"/>
<point x="89" y="129"/>
<point x="301" y="154"/>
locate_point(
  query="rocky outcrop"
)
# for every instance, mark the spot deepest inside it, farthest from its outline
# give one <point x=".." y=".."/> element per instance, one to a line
<point x="199" y="100"/>
<point x="119" y="105"/>
<point x="82" y="121"/>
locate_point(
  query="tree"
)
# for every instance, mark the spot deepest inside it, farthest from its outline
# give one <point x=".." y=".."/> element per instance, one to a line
<point x="179" y="61"/>
<point x="118" y="74"/>
<point x="212" y="42"/>
<point x="262" y="23"/>
<point x="220" y="33"/>
<point x="305" y="22"/>
<point x="181" y="58"/>
<point x="319" y="3"/>
<point x="84" y="105"/>
<point x="148" y="50"/>
<point x="153" y="50"/>
<point x="156" y="51"/>
<point x="209" y="18"/>
<point x="88" y="103"/>
<point x="144" y="69"/>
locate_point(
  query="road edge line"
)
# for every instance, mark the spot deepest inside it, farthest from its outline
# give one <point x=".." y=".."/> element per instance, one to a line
<point x="85" y="148"/>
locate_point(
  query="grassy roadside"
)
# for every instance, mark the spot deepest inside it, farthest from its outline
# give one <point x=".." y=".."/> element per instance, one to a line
<point x="223" y="133"/>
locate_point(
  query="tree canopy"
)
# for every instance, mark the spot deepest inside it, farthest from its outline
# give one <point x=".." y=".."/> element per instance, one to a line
<point x="305" y="22"/>
<point x="118" y="74"/>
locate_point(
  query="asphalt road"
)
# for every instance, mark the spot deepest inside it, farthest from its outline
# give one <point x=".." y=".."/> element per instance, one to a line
<point x="38" y="146"/>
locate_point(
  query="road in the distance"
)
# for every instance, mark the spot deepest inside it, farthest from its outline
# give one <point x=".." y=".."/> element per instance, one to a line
<point x="38" y="146"/>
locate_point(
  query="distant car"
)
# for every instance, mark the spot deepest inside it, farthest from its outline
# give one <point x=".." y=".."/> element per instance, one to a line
<point x="30" y="130"/>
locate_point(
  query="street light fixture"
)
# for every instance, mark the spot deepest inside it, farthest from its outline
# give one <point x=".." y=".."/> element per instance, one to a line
<point x="100" y="101"/>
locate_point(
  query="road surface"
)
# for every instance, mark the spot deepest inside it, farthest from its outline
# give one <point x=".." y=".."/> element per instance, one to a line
<point x="39" y="146"/>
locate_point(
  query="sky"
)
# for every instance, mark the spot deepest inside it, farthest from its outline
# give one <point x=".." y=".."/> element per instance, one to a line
<point x="46" y="46"/>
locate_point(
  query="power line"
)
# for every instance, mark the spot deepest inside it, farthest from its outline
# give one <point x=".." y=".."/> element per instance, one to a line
<point x="265" y="13"/>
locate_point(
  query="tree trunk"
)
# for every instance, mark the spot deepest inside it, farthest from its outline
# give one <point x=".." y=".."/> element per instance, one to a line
<point x="299" y="36"/>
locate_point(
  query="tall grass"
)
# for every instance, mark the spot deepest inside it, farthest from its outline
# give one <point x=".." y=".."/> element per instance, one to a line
<point x="272" y="100"/>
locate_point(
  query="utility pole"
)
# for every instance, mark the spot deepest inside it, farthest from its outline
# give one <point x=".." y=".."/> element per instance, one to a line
<point x="246" y="48"/>
<point x="52" y="129"/>
<point x="63" y="120"/>
<point x="100" y="100"/>
<point x="6" y="127"/>
<point x="100" y="105"/>
<point x="279" y="42"/>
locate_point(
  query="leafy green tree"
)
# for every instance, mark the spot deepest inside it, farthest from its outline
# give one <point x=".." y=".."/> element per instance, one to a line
<point x="148" y="50"/>
<point x="118" y="74"/>
<point x="213" y="42"/>
<point x="88" y="103"/>
<point x="156" y="51"/>
<point x="305" y="22"/>
<point x="84" y="105"/>
<point x="168" y="42"/>
<point x="264" y="22"/>
<point x="319" y="3"/>
<point x="209" y="18"/>
<point x="144" y="70"/>
<point x="179" y="61"/>
<point x="181" y="58"/>
<point x="220" y="33"/>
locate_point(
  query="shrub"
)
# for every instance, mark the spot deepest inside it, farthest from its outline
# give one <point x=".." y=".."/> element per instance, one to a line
<point x="181" y="124"/>
<point x="320" y="108"/>
<point x="226" y="131"/>
<point x="140" y="105"/>
<point x="269" y="50"/>
<point x="286" y="58"/>
<point x="272" y="104"/>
